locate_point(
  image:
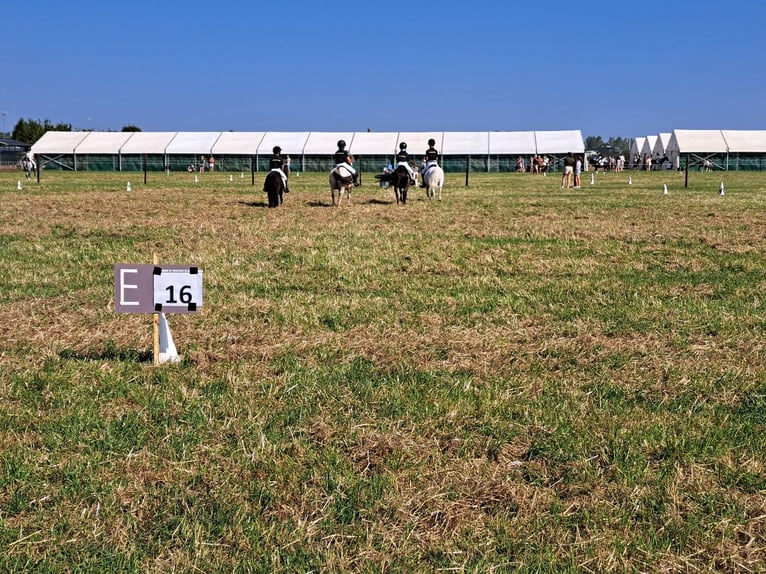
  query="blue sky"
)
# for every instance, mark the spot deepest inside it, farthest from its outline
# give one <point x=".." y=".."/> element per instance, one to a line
<point x="454" y="66"/>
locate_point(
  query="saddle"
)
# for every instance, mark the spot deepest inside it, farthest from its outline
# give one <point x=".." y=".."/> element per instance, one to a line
<point x="347" y="179"/>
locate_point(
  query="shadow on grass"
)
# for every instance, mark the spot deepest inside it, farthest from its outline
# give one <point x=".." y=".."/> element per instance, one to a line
<point x="111" y="353"/>
<point x="380" y="202"/>
<point x="254" y="203"/>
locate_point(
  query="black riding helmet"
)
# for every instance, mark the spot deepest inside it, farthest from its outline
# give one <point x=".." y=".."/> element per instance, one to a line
<point x="277" y="149"/>
<point x="432" y="142"/>
<point x="341" y="144"/>
<point x="403" y="145"/>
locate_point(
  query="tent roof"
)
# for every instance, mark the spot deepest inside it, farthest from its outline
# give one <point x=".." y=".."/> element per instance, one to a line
<point x="58" y="142"/>
<point x="193" y="143"/>
<point x="103" y="142"/>
<point x="315" y="143"/>
<point x="697" y="141"/>
<point x="648" y="147"/>
<point x="637" y="145"/>
<point x="325" y="143"/>
<point x="512" y="143"/>
<point x="745" y="141"/>
<point x="417" y="142"/>
<point x="237" y="143"/>
<point x="661" y="144"/>
<point x="374" y="143"/>
<point x="560" y="141"/>
<point x="148" y="142"/>
<point x="466" y="143"/>
<point x="290" y="142"/>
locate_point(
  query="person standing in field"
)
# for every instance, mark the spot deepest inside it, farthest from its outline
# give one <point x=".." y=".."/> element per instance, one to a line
<point x="211" y="163"/>
<point x="566" y="178"/>
<point x="577" y="171"/>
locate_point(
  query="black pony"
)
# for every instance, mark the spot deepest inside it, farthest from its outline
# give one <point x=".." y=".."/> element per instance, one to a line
<point x="400" y="180"/>
<point x="274" y="187"/>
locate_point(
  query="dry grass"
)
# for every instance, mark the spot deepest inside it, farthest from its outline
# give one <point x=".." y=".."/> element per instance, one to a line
<point x="516" y="378"/>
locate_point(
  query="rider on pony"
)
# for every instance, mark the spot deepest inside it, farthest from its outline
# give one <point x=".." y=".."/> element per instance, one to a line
<point x="343" y="161"/>
<point x="431" y="159"/>
<point x="276" y="163"/>
<point x="402" y="159"/>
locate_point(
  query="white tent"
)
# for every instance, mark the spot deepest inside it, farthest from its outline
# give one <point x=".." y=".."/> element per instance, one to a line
<point x="466" y="143"/>
<point x="292" y="143"/>
<point x="745" y="141"/>
<point x="417" y="142"/>
<point x="483" y="147"/>
<point x="648" y="148"/>
<point x="374" y="143"/>
<point x="512" y="143"/>
<point x="699" y="143"/>
<point x="660" y="146"/>
<point x="325" y="143"/>
<point x="635" y="150"/>
<point x="58" y="142"/>
<point x="192" y="143"/>
<point x="237" y="143"/>
<point x="148" y="143"/>
<point x="559" y="142"/>
<point x="103" y="142"/>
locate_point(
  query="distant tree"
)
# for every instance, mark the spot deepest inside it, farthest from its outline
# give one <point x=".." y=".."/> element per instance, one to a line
<point x="594" y="142"/>
<point x="619" y="144"/>
<point x="29" y="131"/>
<point x="131" y="129"/>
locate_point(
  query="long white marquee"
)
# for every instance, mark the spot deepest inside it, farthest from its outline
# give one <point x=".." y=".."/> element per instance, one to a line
<point x="307" y="143"/>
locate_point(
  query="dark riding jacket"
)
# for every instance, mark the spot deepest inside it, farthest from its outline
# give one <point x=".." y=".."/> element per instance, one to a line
<point x="276" y="161"/>
<point x="341" y="156"/>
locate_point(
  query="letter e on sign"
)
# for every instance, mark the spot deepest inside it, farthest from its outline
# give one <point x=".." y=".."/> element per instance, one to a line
<point x="133" y="288"/>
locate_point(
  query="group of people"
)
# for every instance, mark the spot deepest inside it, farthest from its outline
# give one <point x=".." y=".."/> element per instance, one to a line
<point x="210" y="162"/>
<point x="537" y="164"/>
<point x="570" y="178"/>
<point x="344" y="163"/>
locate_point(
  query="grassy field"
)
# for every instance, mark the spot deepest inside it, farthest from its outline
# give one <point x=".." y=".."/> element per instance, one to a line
<point x="517" y="378"/>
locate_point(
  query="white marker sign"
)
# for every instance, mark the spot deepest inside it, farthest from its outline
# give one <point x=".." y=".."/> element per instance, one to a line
<point x="177" y="289"/>
<point x="157" y="289"/>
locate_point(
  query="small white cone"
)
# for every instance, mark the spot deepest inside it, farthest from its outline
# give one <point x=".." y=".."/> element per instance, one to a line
<point x="196" y="179"/>
<point x="720" y="190"/>
<point x="665" y="189"/>
<point x="242" y="175"/>
<point x="18" y="185"/>
<point x="231" y="178"/>
<point x="128" y="188"/>
<point x="168" y="352"/>
<point x="545" y="174"/>
<point x="592" y="178"/>
<point x="630" y="181"/>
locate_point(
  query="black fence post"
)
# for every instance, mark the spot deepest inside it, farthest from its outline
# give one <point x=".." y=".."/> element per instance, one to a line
<point x="467" y="169"/>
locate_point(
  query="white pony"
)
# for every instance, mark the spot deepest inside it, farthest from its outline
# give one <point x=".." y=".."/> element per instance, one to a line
<point x="434" y="180"/>
<point x="342" y="180"/>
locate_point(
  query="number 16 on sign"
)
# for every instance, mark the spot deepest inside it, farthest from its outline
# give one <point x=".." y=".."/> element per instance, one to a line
<point x="177" y="289"/>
